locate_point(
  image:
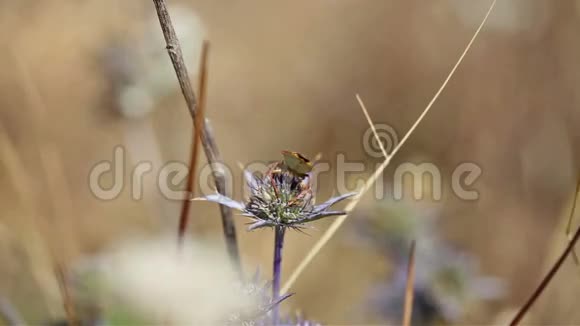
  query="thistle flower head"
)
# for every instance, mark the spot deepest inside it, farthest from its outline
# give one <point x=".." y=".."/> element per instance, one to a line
<point x="280" y="198"/>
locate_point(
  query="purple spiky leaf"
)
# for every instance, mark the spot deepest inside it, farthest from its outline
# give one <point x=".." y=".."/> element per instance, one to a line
<point x="322" y="215"/>
<point x="324" y="206"/>
<point x="259" y="224"/>
<point x="222" y="200"/>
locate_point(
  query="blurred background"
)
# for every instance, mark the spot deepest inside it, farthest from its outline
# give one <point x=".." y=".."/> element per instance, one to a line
<point x="81" y="77"/>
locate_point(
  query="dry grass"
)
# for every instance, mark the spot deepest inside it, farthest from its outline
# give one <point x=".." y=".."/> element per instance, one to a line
<point x="378" y="172"/>
<point x="409" y="288"/>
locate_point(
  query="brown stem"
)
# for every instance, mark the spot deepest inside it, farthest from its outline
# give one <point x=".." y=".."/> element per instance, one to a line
<point x="195" y="145"/>
<point x="69" y="307"/>
<point x="410" y="287"/>
<point x="570" y="218"/>
<point x="546" y="280"/>
<point x="207" y="139"/>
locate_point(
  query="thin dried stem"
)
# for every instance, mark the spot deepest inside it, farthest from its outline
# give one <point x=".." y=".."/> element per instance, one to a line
<point x="190" y="189"/>
<point x="370" y="181"/>
<point x="546" y="280"/>
<point x="570" y="218"/>
<point x="207" y="139"/>
<point x="410" y="287"/>
<point x="370" y="121"/>
<point x="68" y="301"/>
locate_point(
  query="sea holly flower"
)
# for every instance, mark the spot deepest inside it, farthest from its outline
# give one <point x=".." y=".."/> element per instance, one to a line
<point x="280" y="198"/>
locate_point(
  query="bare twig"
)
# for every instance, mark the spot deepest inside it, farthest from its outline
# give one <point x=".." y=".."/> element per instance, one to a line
<point x="546" y="280"/>
<point x="207" y="139"/>
<point x="195" y="143"/>
<point x="368" y="184"/>
<point x="370" y="121"/>
<point x="410" y="287"/>
<point x="552" y="272"/>
<point x="410" y="284"/>
<point x="569" y="225"/>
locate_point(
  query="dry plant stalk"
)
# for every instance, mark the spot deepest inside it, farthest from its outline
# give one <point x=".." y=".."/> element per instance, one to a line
<point x="370" y="181"/>
<point x="207" y="139"/>
<point x="190" y="189"/>
<point x="68" y="301"/>
<point x="569" y="224"/>
<point x="410" y="287"/>
<point x="410" y="284"/>
<point x="552" y="272"/>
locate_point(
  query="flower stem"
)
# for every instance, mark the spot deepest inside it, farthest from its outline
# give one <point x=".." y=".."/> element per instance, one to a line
<point x="278" y="244"/>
